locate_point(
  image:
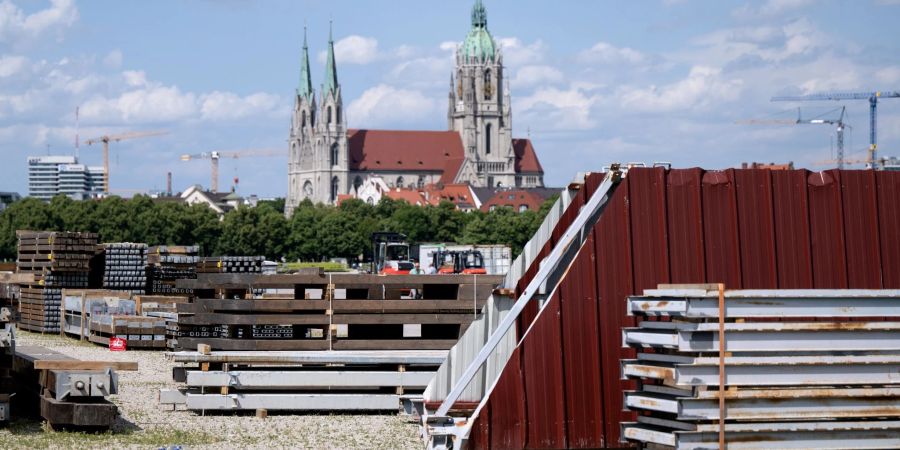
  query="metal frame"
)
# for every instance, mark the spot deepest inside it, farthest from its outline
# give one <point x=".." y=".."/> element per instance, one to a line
<point x="281" y="379"/>
<point x="293" y="402"/>
<point x="443" y="431"/>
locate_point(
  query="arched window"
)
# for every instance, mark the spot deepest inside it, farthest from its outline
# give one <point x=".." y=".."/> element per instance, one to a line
<point x="307" y="189"/>
<point x="400" y="182"/>
<point x="329" y="115"/>
<point x="357" y="183"/>
<point x="334" y="154"/>
<point x="338" y="115"/>
<point x="488" y="85"/>
<point x="523" y="208"/>
<point x="303" y="119"/>
<point x="334" y="189"/>
<point x="420" y="183"/>
<point x="487" y="139"/>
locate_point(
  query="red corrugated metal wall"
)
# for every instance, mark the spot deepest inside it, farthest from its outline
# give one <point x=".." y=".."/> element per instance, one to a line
<point x="746" y="228"/>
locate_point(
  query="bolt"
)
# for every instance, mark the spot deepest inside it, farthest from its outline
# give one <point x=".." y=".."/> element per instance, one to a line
<point x="79" y="385"/>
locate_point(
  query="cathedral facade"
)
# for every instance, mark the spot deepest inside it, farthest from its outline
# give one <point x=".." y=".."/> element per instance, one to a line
<point x="327" y="160"/>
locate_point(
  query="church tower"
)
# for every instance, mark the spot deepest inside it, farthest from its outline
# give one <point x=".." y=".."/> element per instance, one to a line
<point x="331" y="136"/>
<point x="479" y="108"/>
<point x="301" y="156"/>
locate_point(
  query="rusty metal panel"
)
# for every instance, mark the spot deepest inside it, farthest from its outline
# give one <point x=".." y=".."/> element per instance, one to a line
<point x="581" y="352"/>
<point x="827" y="230"/>
<point x="648" y="227"/>
<point x="480" y="436"/>
<point x="792" y="244"/>
<point x="720" y="234"/>
<point x="612" y="236"/>
<point x="861" y="229"/>
<point x="544" y="385"/>
<point x="686" y="259"/>
<point x="756" y="228"/>
<point x="507" y="406"/>
<point x="889" y="227"/>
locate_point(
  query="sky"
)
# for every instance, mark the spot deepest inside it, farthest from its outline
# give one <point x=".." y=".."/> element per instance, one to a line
<point x="592" y="82"/>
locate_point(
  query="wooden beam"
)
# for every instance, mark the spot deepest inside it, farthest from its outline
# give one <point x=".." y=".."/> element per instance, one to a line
<point x="75" y="364"/>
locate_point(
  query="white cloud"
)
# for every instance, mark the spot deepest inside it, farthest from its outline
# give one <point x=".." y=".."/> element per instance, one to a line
<point x="770" y="8"/>
<point x="148" y="104"/>
<point x="449" y="46"/>
<point x="703" y="88"/>
<point x="528" y="76"/>
<point x="229" y="106"/>
<point x="387" y="105"/>
<point x="353" y="49"/>
<point x="12" y="65"/>
<point x="888" y="75"/>
<point x="16" y="26"/>
<point x="605" y="53"/>
<point x="557" y="109"/>
<point x="113" y="59"/>
<point x="517" y="53"/>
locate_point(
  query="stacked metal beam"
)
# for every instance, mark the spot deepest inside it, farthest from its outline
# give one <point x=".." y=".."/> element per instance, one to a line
<point x="801" y="369"/>
<point x="169" y="263"/>
<point x="58" y="260"/>
<point x="231" y="264"/>
<point x="125" y="267"/>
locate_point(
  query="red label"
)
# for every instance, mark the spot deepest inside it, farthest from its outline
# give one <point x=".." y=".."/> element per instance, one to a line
<point x="116" y="344"/>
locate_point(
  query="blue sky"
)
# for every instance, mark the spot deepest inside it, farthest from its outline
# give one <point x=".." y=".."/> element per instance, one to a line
<point x="591" y="81"/>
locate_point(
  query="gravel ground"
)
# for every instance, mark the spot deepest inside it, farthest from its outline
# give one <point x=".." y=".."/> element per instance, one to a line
<point x="145" y="424"/>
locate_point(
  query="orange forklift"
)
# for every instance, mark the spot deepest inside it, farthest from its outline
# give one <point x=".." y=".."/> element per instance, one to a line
<point x="390" y="254"/>
<point x="468" y="262"/>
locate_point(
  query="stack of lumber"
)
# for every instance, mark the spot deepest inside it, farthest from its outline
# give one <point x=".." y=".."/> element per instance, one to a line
<point x="231" y="264"/>
<point x="137" y="331"/>
<point x="79" y="305"/>
<point x="125" y="267"/>
<point x="169" y="263"/>
<point x="330" y="311"/>
<point x="302" y="380"/>
<point x="58" y="260"/>
<point x="764" y="368"/>
<point x="65" y="391"/>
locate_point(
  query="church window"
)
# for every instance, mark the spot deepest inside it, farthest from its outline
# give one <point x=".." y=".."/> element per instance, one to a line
<point x="334" y="154"/>
<point x="307" y="189"/>
<point x="303" y="119"/>
<point x="400" y="182"/>
<point x="329" y="115"/>
<point x="488" y="85"/>
<point x="338" y="114"/>
<point x="334" y="189"/>
<point x="487" y="139"/>
<point x="357" y="183"/>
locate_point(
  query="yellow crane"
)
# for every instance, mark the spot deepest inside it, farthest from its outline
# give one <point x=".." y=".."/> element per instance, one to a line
<point x="106" y="139"/>
<point x="215" y="156"/>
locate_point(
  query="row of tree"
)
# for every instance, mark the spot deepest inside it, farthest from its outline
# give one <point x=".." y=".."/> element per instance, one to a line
<point x="312" y="233"/>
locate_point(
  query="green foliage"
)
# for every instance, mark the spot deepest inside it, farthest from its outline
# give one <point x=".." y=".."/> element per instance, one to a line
<point x="314" y="232"/>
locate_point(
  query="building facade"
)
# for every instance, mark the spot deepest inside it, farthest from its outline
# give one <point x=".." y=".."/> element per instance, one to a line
<point x="49" y="176"/>
<point x="328" y="160"/>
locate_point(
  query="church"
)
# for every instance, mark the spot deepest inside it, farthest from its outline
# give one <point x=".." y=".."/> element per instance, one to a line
<point x="328" y="160"/>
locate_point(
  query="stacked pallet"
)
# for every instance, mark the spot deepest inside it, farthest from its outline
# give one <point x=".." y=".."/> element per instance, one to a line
<point x="125" y="267"/>
<point x="57" y="260"/>
<point x="170" y="263"/>
<point x="301" y="381"/>
<point x="137" y="331"/>
<point x="231" y="264"/>
<point x="765" y="369"/>
<point x="330" y="311"/>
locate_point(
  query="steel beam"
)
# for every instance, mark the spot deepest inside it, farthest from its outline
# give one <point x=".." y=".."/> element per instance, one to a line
<point x="294" y="402"/>
<point x="782" y="306"/>
<point x="410" y="357"/>
<point x="265" y="379"/>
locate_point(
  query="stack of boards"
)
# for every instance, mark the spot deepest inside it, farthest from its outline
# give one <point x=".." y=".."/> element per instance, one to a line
<point x="125" y="267"/>
<point x="58" y="260"/>
<point x="169" y="263"/>
<point x="138" y="331"/>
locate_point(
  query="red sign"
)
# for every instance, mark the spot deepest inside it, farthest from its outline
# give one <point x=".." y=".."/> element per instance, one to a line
<point x="116" y="344"/>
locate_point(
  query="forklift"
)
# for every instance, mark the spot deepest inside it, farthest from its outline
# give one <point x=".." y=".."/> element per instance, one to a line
<point x="390" y="254"/>
<point x="468" y="262"/>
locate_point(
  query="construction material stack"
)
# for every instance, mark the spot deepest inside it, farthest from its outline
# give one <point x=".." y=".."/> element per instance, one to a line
<point x="231" y="264"/>
<point x="57" y="260"/>
<point x="170" y="263"/>
<point x="125" y="267"/>
<point x="764" y="368"/>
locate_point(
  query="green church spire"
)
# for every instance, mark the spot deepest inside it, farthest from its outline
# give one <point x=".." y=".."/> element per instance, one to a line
<point x="305" y="88"/>
<point x="479" y="15"/>
<point x="331" y="81"/>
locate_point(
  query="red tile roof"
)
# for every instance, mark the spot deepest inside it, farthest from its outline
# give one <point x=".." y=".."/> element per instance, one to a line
<point x="458" y="194"/>
<point x="526" y="158"/>
<point x="438" y="151"/>
<point x="514" y="199"/>
<point x="410" y="196"/>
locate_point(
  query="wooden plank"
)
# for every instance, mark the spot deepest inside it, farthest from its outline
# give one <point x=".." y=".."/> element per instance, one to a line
<point x="402" y="318"/>
<point x="378" y="306"/>
<point x="254" y="319"/>
<point x="340" y="280"/>
<point x="254" y="344"/>
<point x="84" y="365"/>
<point x="393" y="344"/>
<point x="16" y="278"/>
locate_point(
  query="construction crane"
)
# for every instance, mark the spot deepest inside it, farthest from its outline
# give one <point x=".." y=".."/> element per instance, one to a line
<point x="116" y="138"/>
<point x="818" y="120"/>
<point x="215" y="156"/>
<point x="872" y="97"/>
